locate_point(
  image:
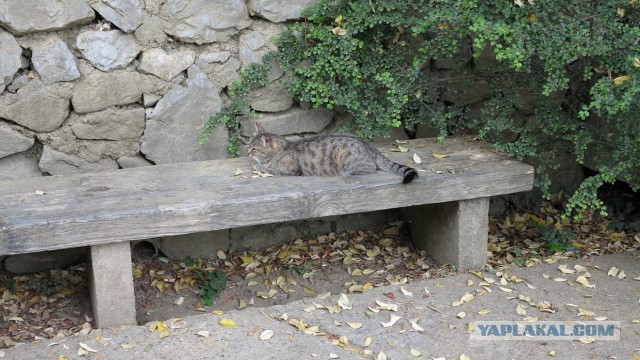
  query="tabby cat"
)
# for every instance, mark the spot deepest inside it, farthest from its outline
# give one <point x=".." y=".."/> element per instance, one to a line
<point x="324" y="155"/>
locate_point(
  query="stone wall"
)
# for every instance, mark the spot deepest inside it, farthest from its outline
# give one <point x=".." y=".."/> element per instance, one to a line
<point x="96" y="85"/>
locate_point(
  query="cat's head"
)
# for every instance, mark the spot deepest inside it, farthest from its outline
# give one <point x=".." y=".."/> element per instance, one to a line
<point x="265" y="145"/>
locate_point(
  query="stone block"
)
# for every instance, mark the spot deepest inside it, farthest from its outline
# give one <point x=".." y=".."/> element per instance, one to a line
<point x="99" y="91"/>
<point x="45" y="260"/>
<point x="28" y="105"/>
<point x="199" y="245"/>
<point x="173" y="126"/>
<point x="127" y="15"/>
<point x="366" y="221"/>
<point x="26" y="16"/>
<point x="279" y="10"/>
<point x="150" y="33"/>
<point x="111" y="285"/>
<point x="454" y="232"/>
<point x="205" y="21"/>
<point x="54" y="62"/>
<point x="126" y="162"/>
<point x="467" y="92"/>
<point x="272" y="98"/>
<point x="13" y="141"/>
<point x="10" y="53"/>
<point x="292" y="121"/>
<point x="107" y="50"/>
<point x="18" y="166"/>
<point x="58" y="163"/>
<point x="165" y="65"/>
<point x="260" y="236"/>
<point x="109" y="124"/>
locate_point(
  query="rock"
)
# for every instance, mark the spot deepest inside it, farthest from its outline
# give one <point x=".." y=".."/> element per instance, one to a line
<point x="261" y="236"/>
<point x="215" y="57"/>
<point x="35" y="262"/>
<point x="163" y="65"/>
<point x="199" y="245"/>
<point x="19" y="82"/>
<point x="279" y="10"/>
<point x="108" y="50"/>
<point x="395" y="133"/>
<point x="150" y="99"/>
<point x="58" y="163"/>
<point x="466" y="92"/>
<point x="127" y="15"/>
<point x="110" y="124"/>
<point x="18" y="166"/>
<point x="252" y="47"/>
<point x="173" y="126"/>
<point x="54" y="62"/>
<point x="293" y="121"/>
<point x="271" y="98"/>
<point x="205" y="21"/>
<point x="99" y="91"/>
<point x="63" y="140"/>
<point x="13" y="141"/>
<point x="126" y="162"/>
<point x="26" y="16"/>
<point x="150" y="33"/>
<point x="37" y="107"/>
<point x="10" y="53"/>
<point x="222" y="75"/>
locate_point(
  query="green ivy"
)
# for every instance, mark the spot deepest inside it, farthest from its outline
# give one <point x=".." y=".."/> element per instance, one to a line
<point x="576" y="62"/>
<point x="213" y="285"/>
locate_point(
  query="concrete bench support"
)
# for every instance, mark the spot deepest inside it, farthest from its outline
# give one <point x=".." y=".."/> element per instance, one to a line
<point x="111" y="284"/>
<point x="452" y="232"/>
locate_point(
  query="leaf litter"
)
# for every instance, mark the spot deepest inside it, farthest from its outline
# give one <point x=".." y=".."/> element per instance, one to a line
<point x="55" y="302"/>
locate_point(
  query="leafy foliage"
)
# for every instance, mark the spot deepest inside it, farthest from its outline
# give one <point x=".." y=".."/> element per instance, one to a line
<point x="563" y="77"/>
<point x="215" y="282"/>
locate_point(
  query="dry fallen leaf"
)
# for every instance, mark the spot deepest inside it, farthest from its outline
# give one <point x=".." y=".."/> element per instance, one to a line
<point x="266" y="335"/>
<point x="415" y="353"/>
<point x="228" y="323"/>
<point x="392" y="320"/>
<point x="417" y="159"/>
<point x="203" y="333"/>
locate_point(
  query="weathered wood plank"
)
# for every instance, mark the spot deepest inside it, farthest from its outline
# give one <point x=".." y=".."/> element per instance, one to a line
<point x="141" y="203"/>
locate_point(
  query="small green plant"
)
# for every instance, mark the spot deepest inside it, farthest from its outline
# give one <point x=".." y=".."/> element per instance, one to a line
<point x="557" y="240"/>
<point x="215" y="282"/>
<point x="302" y="269"/>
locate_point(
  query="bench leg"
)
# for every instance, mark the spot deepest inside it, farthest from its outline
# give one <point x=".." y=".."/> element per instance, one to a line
<point x="454" y="232"/>
<point x="111" y="285"/>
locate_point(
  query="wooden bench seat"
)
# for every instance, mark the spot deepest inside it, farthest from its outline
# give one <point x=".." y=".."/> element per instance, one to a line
<point x="448" y="207"/>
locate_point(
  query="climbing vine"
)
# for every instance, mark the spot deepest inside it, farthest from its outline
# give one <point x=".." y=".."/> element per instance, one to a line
<point x="562" y="76"/>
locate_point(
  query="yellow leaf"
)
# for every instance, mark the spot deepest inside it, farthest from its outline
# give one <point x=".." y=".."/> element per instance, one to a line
<point x="339" y="20"/>
<point x="620" y="79"/>
<point x="137" y="272"/>
<point x="636" y="62"/>
<point x="338" y="31"/>
<point x="586" y="340"/>
<point x="533" y="17"/>
<point x="484" y="312"/>
<point x="308" y="290"/>
<point x="228" y="323"/>
<point x="128" y="346"/>
<point x="62" y="357"/>
<point x="438" y="156"/>
<point x="620" y="12"/>
<point x="217" y="312"/>
<point x="164" y="334"/>
<point x="415" y="353"/>
<point x="354" y="325"/>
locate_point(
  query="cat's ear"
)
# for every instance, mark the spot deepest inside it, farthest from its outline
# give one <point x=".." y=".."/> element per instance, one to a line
<point x="259" y="128"/>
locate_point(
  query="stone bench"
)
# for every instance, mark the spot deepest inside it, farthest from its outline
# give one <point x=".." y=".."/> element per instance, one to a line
<point x="448" y="208"/>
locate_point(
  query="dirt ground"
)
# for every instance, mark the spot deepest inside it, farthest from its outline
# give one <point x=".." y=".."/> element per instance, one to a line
<point x="56" y="302"/>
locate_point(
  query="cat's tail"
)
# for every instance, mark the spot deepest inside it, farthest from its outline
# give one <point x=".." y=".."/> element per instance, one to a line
<point x="407" y="173"/>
